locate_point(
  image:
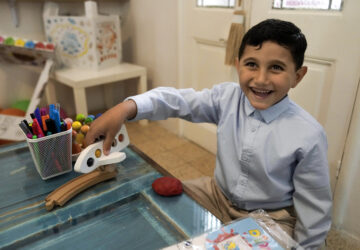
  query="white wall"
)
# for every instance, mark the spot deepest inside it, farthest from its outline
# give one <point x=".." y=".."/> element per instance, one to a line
<point x="347" y="199"/>
<point x="153" y="41"/>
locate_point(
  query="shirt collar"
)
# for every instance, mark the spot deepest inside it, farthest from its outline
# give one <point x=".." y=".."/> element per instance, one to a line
<point x="270" y="113"/>
<point x="249" y="109"/>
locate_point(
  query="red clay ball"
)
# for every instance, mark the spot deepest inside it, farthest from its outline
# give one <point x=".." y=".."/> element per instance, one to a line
<point x="167" y="186"/>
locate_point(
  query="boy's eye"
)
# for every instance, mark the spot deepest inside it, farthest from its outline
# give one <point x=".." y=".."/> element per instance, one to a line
<point x="250" y="64"/>
<point x="277" y="68"/>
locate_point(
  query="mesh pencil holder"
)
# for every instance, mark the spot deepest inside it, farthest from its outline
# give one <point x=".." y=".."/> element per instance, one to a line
<point x="52" y="154"/>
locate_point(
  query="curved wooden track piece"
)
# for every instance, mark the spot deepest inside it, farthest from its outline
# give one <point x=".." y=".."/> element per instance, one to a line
<point x="70" y="189"/>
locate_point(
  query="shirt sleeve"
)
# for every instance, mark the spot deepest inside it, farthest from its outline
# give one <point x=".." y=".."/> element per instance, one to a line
<point x="312" y="196"/>
<point x="165" y="102"/>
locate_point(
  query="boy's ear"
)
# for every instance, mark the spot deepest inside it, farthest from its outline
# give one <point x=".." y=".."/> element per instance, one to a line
<point x="300" y="73"/>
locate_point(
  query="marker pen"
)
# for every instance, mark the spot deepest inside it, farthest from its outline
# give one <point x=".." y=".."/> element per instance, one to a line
<point x="50" y="124"/>
<point x="51" y="111"/>
<point x="44" y="117"/>
<point x="57" y="120"/>
<point x="38" y="117"/>
<point x="25" y="130"/>
<point x="36" y="127"/>
<point x="28" y="126"/>
<point x="23" y="127"/>
<point x="63" y="126"/>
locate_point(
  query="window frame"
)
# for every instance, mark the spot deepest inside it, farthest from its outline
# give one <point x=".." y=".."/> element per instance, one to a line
<point x="231" y="4"/>
<point x="305" y="8"/>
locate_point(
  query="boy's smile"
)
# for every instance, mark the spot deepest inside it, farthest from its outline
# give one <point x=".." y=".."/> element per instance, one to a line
<point x="267" y="73"/>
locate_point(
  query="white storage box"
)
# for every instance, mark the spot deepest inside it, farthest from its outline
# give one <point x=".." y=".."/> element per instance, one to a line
<point x="92" y="41"/>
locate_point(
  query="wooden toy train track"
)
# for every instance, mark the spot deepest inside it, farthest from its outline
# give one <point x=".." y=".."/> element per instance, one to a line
<point x="70" y="189"/>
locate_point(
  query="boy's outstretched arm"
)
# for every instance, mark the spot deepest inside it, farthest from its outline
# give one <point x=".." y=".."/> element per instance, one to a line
<point x="109" y="123"/>
<point x="158" y="104"/>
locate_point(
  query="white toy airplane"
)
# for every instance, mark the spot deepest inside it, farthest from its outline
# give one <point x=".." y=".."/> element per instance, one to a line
<point x="93" y="157"/>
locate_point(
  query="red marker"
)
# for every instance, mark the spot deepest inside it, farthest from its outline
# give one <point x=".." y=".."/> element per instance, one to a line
<point x="36" y="127"/>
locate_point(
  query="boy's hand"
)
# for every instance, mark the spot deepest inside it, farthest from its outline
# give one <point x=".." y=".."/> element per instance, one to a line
<point x="109" y="123"/>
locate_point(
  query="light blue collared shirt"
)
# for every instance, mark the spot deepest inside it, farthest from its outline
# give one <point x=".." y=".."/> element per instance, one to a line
<point x="267" y="159"/>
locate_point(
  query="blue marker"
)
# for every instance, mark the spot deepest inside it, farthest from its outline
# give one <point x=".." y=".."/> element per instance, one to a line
<point x="57" y="120"/>
<point x="51" y="111"/>
<point x="38" y="117"/>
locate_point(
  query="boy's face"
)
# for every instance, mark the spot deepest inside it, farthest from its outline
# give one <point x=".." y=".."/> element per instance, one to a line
<point x="267" y="74"/>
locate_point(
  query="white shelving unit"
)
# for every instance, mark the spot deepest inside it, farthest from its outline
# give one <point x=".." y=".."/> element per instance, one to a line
<point x="80" y="79"/>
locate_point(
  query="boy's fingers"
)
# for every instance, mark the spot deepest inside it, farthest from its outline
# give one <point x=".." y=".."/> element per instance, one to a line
<point x="107" y="142"/>
<point x="89" y="138"/>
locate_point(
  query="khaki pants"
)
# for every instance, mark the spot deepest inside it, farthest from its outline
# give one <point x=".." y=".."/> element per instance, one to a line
<point x="206" y="192"/>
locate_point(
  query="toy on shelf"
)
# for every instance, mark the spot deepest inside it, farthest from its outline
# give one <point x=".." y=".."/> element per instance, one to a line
<point x="92" y="41"/>
<point x="25" y="51"/>
<point x="19" y="51"/>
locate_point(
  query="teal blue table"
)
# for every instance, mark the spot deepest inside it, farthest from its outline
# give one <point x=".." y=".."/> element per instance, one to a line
<point x="122" y="213"/>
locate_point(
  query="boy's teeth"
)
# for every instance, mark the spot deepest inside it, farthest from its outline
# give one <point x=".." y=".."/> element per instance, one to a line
<point x="262" y="91"/>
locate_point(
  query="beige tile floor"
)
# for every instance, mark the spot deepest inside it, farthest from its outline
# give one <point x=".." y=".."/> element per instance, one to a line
<point x="182" y="158"/>
<point x="186" y="160"/>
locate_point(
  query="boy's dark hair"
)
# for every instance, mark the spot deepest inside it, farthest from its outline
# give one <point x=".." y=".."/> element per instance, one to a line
<point x="284" y="33"/>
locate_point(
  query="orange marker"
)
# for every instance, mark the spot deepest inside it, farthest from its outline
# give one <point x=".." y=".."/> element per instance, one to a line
<point x="44" y="117"/>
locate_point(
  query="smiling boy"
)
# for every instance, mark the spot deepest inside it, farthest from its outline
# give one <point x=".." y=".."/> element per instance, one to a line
<point x="267" y="73"/>
<point x="271" y="154"/>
